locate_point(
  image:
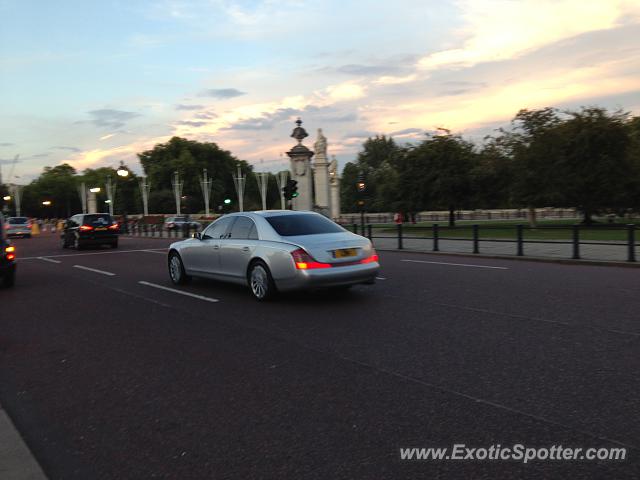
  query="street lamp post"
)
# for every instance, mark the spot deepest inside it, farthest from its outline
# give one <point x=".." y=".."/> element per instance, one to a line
<point x="361" y="186"/>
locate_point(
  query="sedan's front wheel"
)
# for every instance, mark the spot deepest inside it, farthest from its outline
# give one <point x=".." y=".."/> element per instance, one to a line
<point x="176" y="270"/>
<point x="260" y="282"/>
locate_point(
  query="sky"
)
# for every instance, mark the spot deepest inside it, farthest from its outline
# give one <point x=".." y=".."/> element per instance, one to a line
<point x="92" y="83"/>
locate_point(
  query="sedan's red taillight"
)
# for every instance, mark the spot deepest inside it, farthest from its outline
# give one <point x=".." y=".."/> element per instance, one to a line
<point x="114" y="226"/>
<point x="372" y="258"/>
<point x="304" y="261"/>
<point x="86" y="228"/>
<point x="10" y="252"/>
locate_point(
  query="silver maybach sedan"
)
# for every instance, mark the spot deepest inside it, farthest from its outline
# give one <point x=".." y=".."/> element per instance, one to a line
<point x="275" y="250"/>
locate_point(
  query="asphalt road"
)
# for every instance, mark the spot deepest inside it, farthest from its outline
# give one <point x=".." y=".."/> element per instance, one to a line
<point x="110" y="378"/>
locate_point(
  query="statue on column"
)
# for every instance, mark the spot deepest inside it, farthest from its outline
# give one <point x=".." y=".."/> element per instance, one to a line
<point x="333" y="170"/>
<point x="320" y="146"/>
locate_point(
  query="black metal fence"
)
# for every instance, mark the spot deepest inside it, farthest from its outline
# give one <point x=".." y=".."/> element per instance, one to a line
<point x="429" y="238"/>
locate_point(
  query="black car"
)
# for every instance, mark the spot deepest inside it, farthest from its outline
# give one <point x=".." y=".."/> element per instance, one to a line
<point x="87" y="229"/>
<point x="7" y="258"/>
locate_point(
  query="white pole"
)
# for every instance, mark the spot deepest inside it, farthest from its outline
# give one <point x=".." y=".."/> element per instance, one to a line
<point x="262" y="178"/>
<point x="239" y="181"/>
<point x="111" y="194"/>
<point x="17" y="192"/>
<point x="144" y="190"/>
<point x="205" y="184"/>
<point x="177" y="190"/>
<point x="82" y="190"/>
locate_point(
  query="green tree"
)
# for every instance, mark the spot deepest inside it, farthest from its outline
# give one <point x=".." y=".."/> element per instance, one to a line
<point x="189" y="158"/>
<point x="596" y="161"/>
<point x="57" y="185"/>
<point x="437" y="173"/>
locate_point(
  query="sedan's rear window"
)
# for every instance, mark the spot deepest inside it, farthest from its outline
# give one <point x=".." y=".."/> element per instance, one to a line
<point x="98" y="219"/>
<point x="18" y="220"/>
<point x="302" y="224"/>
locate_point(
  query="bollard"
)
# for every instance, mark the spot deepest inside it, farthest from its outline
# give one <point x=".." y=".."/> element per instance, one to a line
<point x="399" y="236"/>
<point x="476" y="239"/>
<point x="631" y="238"/>
<point x="369" y="232"/>
<point x="436" y="238"/>
<point x="355" y="228"/>
<point x="519" y="235"/>
<point x="576" y="242"/>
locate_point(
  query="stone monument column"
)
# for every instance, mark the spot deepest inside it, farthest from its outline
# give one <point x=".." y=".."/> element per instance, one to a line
<point x="301" y="170"/>
<point x="334" y="186"/>
<point x="321" y="173"/>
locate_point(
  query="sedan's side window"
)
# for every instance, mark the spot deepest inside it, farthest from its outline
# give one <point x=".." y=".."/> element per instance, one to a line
<point x="217" y="229"/>
<point x="253" y="233"/>
<point x="241" y="228"/>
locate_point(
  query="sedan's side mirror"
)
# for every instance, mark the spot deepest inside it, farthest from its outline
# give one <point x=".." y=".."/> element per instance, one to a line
<point x="197" y="235"/>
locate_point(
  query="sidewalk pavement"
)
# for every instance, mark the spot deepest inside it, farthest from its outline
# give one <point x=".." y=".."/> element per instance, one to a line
<point x="612" y="252"/>
<point x="16" y="460"/>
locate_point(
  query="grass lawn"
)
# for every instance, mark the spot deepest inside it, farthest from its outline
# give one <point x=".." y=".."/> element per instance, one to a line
<point x="506" y="230"/>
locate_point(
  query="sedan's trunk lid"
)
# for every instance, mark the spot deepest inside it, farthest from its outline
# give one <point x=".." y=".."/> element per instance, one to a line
<point x="342" y="247"/>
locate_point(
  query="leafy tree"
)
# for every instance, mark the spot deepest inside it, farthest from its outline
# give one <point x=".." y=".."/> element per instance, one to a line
<point x="189" y="158"/>
<point x="596" y="161"/>
<point x="438" y="173"/>
<point x="57" y="185"/>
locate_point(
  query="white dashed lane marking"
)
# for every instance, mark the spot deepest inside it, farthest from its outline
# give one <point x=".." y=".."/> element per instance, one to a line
<point x="181" y="292"/>
<point x="95" y="270"/>
<point x="458" y="264"/>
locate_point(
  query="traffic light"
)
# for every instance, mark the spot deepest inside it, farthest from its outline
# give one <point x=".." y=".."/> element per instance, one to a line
<point x="290" y="190"/>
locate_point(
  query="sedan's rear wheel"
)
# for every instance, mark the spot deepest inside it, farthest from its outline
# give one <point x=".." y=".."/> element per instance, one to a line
<point x="260" y="281"/>
<point x="176" y="270"/>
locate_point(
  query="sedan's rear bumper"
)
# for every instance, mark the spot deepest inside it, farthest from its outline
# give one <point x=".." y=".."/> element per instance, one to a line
<point x="330" y="277"/>
<point x="18" y="232"/>
<point x="7" y="268"/>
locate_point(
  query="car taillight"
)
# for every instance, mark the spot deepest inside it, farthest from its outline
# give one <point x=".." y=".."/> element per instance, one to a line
<point x="304" y="261"/>
<point x="114" y="226"/>
<point x="372" y="258"/>
<point x="86" y="228"/>
<point x="10" y="252"/>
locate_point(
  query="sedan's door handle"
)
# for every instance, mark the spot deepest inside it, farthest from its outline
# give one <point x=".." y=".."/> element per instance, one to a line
<point x="245" y="249"/>
<point x="216" y="247"/>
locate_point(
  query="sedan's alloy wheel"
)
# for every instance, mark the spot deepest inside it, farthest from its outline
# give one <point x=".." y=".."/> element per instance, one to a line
<point x="259" y="282"/>
<point x="175" y="269"/>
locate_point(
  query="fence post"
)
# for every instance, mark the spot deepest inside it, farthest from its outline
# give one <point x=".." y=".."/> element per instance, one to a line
<point x="476" y="239"/>
<point x="576" y="242"/>
<point x="399" y="236"/>
<point x="519" y="235"/>
<point x="436" y="247"/>
<point x="355" y="228"/>
<point x="631" y="238"/>
<point x="369" y="232"/>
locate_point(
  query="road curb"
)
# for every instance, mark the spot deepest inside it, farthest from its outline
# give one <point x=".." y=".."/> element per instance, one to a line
<point x="565" y="261"/>
<point x="16" y="460"/>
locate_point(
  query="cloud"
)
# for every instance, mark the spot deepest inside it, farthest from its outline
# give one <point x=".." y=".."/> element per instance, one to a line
<point x="266" y="121"/>
<point x="406" y="132"/>
<point x="221" y="93"/>
<point x="69" y="149"/>
<point x="111" y="118"/>
<point x="190" y="123"/>
<point x="182" y="106"/>
<point x="497" y="30"/>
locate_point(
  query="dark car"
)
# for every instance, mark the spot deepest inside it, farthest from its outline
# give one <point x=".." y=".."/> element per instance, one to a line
<point x="87" y="229"/>
<point x="7" y="258"/>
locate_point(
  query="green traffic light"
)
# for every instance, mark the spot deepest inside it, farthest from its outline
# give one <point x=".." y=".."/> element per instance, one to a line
<point x="227" y="201"/>
<point x="294" y="195"/>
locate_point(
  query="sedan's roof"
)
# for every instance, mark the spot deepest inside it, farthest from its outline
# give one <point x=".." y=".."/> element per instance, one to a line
<point x="271" y="213"/>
